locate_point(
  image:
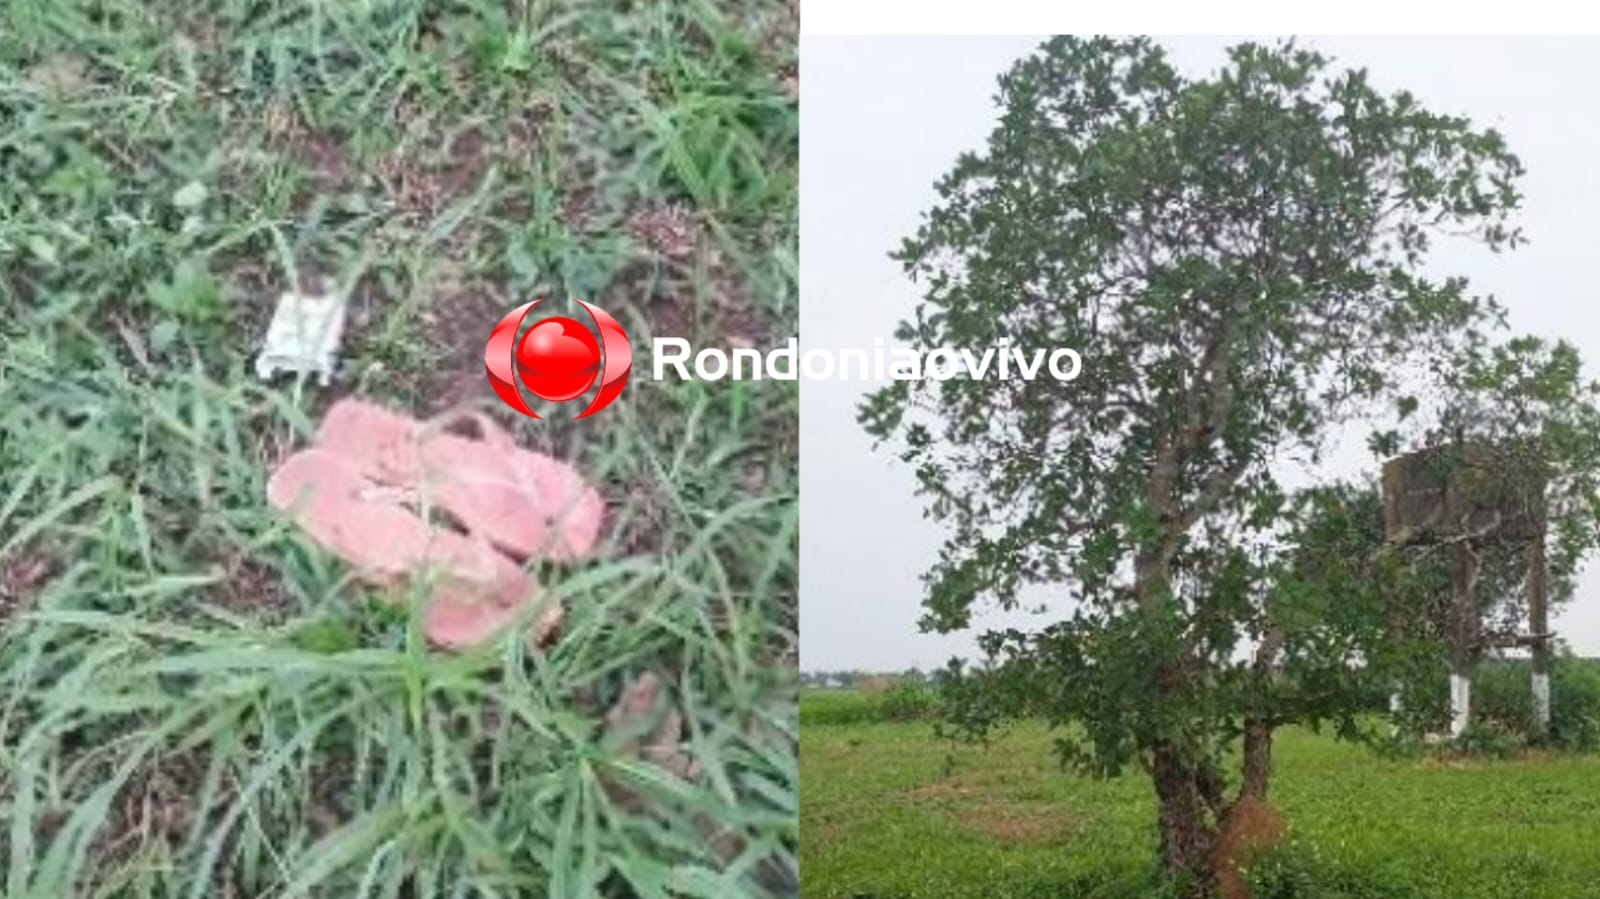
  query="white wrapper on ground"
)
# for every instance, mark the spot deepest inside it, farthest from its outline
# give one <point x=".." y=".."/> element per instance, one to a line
<point x="304" y="336"/>
<point x="1460" y="704"/>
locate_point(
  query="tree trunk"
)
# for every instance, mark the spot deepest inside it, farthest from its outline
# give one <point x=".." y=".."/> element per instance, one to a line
<point x="1187" y="833"/>
<point x="1187" y="794"/>
<point x="1257" y="760"/>
<point x="1257" y="727"/>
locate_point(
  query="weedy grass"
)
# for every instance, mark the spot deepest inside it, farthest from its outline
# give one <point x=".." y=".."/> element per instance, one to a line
<point x="194" y="700"/>
<point x="892" y="812"/>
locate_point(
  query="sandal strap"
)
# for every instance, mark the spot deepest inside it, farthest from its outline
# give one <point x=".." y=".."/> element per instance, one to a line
<point x="492" y="434"/>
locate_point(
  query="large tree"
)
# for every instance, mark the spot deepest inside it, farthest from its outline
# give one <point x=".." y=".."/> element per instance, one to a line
<point x="1239" y="258"/>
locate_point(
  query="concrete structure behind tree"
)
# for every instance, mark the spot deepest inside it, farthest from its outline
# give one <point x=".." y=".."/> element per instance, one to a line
<point x="1462" y="497"/>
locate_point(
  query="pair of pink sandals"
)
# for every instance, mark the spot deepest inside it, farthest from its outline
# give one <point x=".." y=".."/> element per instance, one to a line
<point x="365" y="486"/>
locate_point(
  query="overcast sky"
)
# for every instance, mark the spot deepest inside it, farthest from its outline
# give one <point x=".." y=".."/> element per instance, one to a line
<point x="883" y="118"/>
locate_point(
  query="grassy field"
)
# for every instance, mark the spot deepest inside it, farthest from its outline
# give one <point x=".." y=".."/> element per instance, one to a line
<point x="194" y="700"/>
<point x="888" y="811"/>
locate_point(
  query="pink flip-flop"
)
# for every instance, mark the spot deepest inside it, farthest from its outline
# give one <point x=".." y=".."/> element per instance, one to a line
<point x="526" y="503"/>
<point x="477" y="592"/>
<point x="457" y="621"/>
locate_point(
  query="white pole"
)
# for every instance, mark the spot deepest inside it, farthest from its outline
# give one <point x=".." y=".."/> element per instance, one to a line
<point x="1460" y="704"/>
<point x="1541" y="703"/>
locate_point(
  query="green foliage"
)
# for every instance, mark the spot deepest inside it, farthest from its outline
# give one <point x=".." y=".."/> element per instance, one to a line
<point x="1243" y="261"/>
<point x="1302" y="870"/>
<point x="1526" y="406"/>
<point x="1503" y="701"/>
<point x="1297" y="871"/>
<point x="1502" y="707"/>
<point x="891" y="812"/>
<point x="907" y="701"/>
<point x="189" y="296"/>
<point x="901" y="701"/>
<point x="194" y="700"/>
<point x="1575" y="705"/>
<point x="819" y="707"/>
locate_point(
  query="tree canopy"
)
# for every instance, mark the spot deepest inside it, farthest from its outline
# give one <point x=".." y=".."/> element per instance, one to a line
<point x="1240" y="260"/>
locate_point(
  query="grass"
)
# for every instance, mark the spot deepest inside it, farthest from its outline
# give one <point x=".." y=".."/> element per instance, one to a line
<point x="891" y="812"/>
<point x="194" y="700"/>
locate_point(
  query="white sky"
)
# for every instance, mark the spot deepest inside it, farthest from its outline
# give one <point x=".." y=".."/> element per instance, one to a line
<point x="883" y="118"/>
